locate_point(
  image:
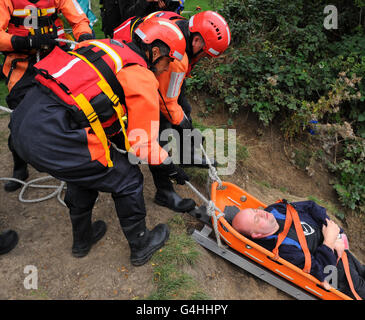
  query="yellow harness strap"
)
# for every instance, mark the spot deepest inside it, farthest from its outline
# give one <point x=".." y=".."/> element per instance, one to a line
<point x="95" y="124"/>
<point x="89" y="111"/>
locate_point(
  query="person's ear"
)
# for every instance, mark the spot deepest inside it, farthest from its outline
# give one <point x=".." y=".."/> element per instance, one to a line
<point x="255" y="235"/>
<point x="197" y="41"/>
<point x="155" y="53"/>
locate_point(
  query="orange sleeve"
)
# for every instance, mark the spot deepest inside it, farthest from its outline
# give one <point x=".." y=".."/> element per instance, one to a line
<point x="141" y="95"/>
<point x="75" y="16"/>
<point x="170" y="83"/>
<point x="6" y="7"/>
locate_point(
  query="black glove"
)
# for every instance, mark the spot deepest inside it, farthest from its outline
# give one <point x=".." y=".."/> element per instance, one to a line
<point x="186" y="123"/>
<point x="36" y="41"/>
<point x="85" y="36"/>
<point x="174" y="172"/>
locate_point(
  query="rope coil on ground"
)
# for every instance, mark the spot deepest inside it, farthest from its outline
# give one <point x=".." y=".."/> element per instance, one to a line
<point x="31" y="184"/>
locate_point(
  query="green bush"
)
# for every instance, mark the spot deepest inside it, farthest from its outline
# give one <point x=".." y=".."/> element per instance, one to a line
<point x="351" y="175"/>
<point x="284" y="65"/>
<point x="282" y="61"/>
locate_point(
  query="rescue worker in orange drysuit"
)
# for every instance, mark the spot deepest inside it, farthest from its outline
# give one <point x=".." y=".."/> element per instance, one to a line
<point x="64" y="126"/>
<point x="28" y="28"/>
<point x="207" y="35"/>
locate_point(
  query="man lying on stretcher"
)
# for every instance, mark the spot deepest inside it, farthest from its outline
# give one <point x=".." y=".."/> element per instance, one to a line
<point x="325" y="240"/>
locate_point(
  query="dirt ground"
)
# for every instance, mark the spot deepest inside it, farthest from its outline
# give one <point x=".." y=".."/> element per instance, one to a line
<point x="45" y="232"/>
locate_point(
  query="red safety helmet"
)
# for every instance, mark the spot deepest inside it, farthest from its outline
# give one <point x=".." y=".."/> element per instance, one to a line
<point x="162" y="29"/>
<point x="214" y="31"/>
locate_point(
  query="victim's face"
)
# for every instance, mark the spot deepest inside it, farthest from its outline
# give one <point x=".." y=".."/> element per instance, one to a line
<point x="256" y="223"/>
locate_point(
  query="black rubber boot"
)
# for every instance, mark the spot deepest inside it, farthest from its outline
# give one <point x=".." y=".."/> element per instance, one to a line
<point x="20" y="172"/>
<point x="166" y="195"/>
<point x="80" y="202"/>
<point x="85" y="234"/>
<point x="170" y="199"/>
<point x="131" y="212"/>
<point x="145" y="243"/>
<point x="8" y="241"/>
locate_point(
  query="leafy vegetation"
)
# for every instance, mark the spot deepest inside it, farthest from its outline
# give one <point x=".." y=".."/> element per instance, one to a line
<point x="284" y="65"/>
<point x="351" y="175"/>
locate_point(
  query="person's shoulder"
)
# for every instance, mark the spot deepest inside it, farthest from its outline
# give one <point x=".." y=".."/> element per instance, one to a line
<point x="137" y="76"/>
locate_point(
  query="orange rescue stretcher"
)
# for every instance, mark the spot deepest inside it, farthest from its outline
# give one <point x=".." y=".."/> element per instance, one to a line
<point x="250" y="256"/>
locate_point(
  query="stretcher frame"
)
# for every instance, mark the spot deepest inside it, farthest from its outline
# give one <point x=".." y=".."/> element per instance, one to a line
<point x="251" y="257"/>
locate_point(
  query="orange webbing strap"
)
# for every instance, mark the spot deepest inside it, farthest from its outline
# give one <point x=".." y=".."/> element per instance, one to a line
<point x="301" y="237"/>
<point x="346" y="267"/>
<point x="292" y="215"/>
<point x="282" y="235"/>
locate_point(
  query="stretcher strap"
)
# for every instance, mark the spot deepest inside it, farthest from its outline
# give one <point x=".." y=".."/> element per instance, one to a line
<point x="292" y="216"/>
<point x="346" y="267"/>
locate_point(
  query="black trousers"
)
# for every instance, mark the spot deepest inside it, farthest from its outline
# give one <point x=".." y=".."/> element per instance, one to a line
<point x="13" y="99"/>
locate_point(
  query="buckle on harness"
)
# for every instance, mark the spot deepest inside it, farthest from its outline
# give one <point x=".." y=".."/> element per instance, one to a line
<point x="92" y="117"/>
<point x="115" y="100"/>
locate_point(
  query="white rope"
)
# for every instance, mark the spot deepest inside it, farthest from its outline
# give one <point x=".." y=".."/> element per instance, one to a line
<point x="66" y="41"/>
<point x="213" y="174"/>
<point x="32" y="184"/>
<point x="211" y="207"/>
<point x="6" y="109"/>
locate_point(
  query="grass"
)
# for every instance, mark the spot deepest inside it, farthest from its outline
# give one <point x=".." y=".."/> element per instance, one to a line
<point x="171" y="282"/>
<point x="3" y="93"/>
<point x="190" y="6"/>
<point x="3" y="88"/>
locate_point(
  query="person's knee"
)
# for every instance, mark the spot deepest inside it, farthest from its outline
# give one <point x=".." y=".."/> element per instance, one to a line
<point x="78" y="199"/>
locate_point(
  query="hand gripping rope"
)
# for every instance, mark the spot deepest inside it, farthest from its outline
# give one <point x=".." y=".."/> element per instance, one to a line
<point x="38" y="57"/>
